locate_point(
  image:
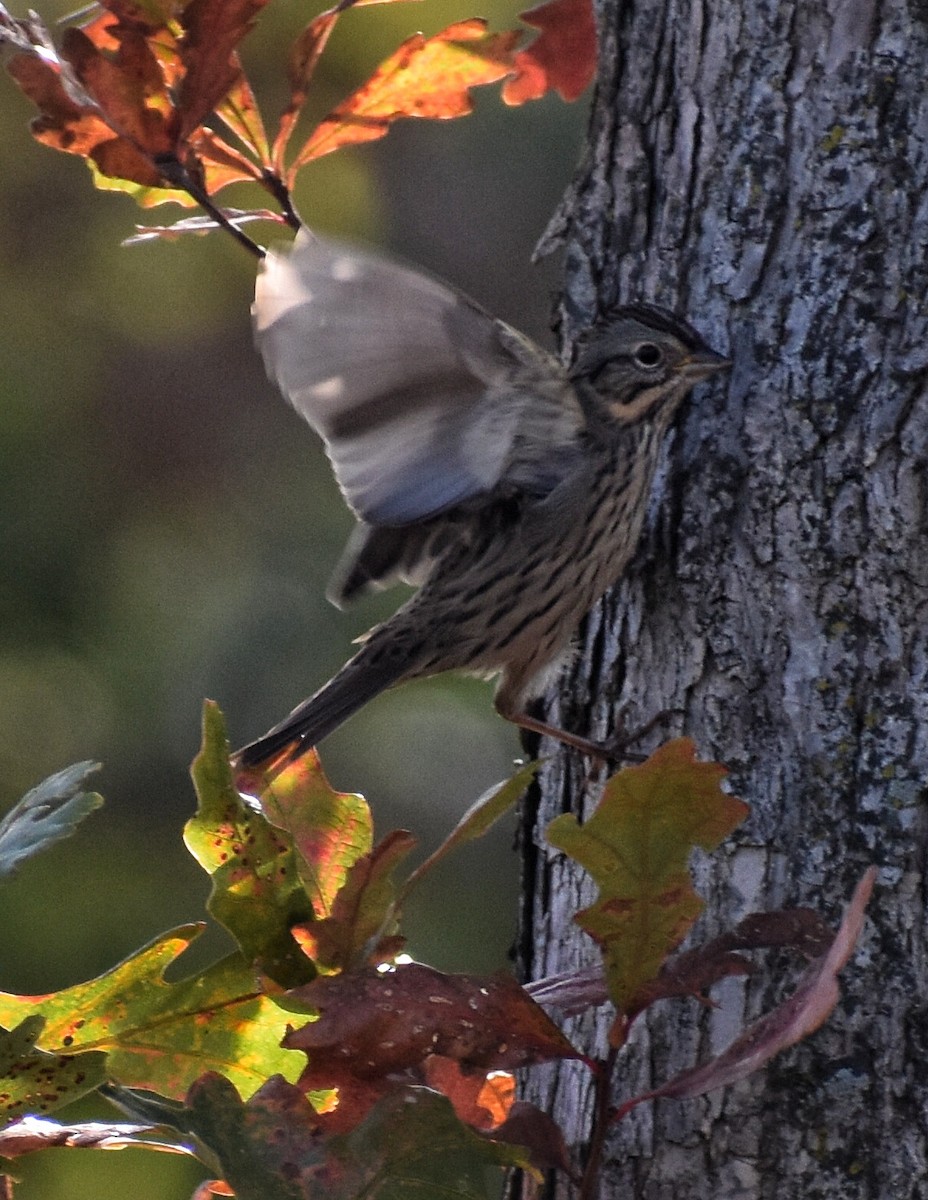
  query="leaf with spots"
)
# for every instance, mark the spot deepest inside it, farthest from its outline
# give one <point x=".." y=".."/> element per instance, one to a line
<point x="163" y="1035"/>
<point x="374" y="1025"/>
<point x="38" y="1081"/>
<point x="636" y="846"/>
<point x="258" y="893"/>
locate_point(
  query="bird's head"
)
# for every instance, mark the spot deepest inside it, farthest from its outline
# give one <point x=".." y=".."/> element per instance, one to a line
<point x="640" y="359"/>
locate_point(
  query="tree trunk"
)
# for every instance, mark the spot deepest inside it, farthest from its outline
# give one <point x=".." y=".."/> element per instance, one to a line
<point x="764" y="168"/>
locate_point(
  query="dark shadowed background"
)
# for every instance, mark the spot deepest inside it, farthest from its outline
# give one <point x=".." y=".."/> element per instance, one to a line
<point x="168" y="525"/>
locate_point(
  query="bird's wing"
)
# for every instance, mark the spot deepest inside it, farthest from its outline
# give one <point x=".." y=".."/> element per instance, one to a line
<point x="423" y="399"/>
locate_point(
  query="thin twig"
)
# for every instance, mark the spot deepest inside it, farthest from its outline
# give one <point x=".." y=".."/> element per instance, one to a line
<point x="177" y="174"/>
<point x="601" y="1123"/>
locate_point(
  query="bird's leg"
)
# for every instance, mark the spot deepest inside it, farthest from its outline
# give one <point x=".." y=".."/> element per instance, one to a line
<point x="612" y="751"/>
<point x="584" y="745"/>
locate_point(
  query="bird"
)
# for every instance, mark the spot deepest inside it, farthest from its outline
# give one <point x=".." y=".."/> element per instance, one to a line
<point x="509" y="488"/>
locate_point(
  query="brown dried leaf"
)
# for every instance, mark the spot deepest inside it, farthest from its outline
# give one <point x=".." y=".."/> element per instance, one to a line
<point x="213" y="29"/>
<point x="562" y="57"/>
<point x="121" y="87"/>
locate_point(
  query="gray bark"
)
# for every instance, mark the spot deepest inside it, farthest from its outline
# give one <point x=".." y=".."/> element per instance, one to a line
<point x="764" y="168"/>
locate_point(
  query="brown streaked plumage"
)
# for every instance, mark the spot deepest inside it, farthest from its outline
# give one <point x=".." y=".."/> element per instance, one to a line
<point x="511" y="489"/>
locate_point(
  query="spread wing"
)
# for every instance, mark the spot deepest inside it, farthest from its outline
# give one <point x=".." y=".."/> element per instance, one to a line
<point x="423" y="399"/>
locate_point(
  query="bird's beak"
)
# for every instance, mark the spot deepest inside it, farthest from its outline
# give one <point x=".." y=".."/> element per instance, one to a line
<point x="703" y="363"/>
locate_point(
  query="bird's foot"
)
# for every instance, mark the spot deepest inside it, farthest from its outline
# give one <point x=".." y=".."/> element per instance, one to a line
<point x="612" y="752"/>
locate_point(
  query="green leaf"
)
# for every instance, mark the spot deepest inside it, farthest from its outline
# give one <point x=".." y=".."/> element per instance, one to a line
<point x="46" y="814"/>
<point x="479" y="818"/>
<point x="637" y="847"/>
<point x="33" y="1081"/>
<point x="257" y="891"/>
<point x="413" y="1147"/>
<point x="163" y="1035"/>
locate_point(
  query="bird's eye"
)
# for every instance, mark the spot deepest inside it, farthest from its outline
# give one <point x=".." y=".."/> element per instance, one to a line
<point x="647" y="355"/>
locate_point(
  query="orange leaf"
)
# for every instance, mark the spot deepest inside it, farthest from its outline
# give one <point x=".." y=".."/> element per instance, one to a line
<point x="562" y="57"/>
<point x="425" y="77"/>
<point x="73" y="124"/>
<point x="301" y="64"/>
<point x="222" y="164"/>
<point x="239" y="111"/>
<point x="121" y="87"/>
<point x="481" y="1100"/>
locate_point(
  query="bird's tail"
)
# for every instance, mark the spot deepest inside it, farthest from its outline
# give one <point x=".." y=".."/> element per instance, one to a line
<point x="366" y="675"/>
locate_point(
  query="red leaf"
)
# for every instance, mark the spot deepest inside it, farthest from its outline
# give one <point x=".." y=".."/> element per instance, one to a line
<point x="540" y="1134"/>
<point x="562" y="57"/>
<point x="797" y="1017"/>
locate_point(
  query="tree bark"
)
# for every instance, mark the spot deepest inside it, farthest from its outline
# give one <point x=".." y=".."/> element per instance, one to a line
<point x="764" y="168"/>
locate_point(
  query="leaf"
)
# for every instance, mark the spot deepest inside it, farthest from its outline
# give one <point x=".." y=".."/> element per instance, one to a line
<point x="46" y="814"/>
<point x="198" y="225"/>
<point x="35" y="1133"/>
<point x="362" y="927"/>
<point x="425" y="77"/>
<point x="797" y="1017"/>
<point x="329" y="830"/>
<point x="257" y="892"/>
<point x="122" y="86"/>
<point x="239" y="111"/>
<point x="374" y="1024"/>
<point x="563" y="56"/>
<point x="478" y="819"/>
<point x="163" y="1035"/>
<point x="480" y="1099"/>
<point x="412" y="1145"/>
<point x="270" y="1148"/>
<point x="32" y="1080"/>
<point x="693" y="972"/>
<point x="265" y="1148"/>
<point x="69" y="118"/>
<point x="636" y="846"/>
<point x="213" y="29"/>
<point x="301" y="66"/>
<point x="539" y="1134"/>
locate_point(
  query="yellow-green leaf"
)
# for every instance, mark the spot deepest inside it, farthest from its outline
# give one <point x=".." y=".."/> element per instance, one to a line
<point x="637" y="846"/>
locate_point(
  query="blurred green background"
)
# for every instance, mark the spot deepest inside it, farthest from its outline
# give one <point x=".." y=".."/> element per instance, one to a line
<point x="168" y="524"/>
